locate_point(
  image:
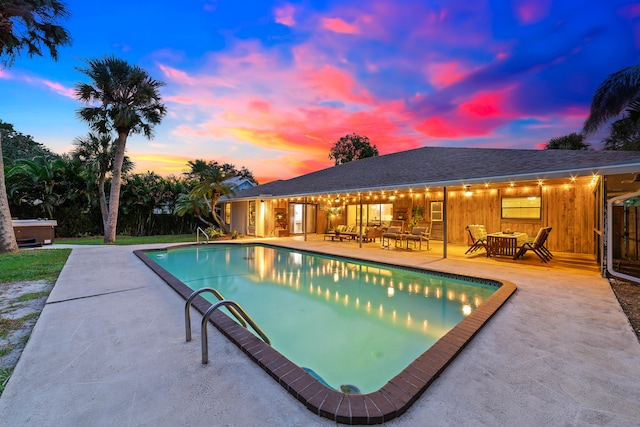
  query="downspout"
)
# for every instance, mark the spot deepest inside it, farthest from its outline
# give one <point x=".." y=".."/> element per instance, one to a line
<point x="609" y="237"/>
<point x="444" y="224"/>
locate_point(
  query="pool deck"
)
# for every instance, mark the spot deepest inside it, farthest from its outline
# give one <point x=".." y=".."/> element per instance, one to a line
<point x="109" y="350"/>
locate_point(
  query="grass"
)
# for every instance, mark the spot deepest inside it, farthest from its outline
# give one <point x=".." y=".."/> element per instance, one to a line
<point x="5" y="373"/>
<point x="32" y="295"/>
<point x="125" y="240"/>
<point x="6" y="350"/>
<point x="7" y="325"/>
<point x="43" y="264"/>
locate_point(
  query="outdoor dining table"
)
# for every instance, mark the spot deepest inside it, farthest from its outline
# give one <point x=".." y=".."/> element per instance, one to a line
<point x="504" y="243"/>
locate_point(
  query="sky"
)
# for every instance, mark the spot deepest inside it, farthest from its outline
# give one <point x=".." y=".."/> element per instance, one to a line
<point x="272" y="85"/>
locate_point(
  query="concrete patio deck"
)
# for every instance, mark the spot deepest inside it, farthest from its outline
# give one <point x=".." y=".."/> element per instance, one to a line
<point x="109" y="350"/>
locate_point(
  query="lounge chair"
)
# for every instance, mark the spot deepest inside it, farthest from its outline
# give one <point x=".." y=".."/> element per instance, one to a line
<point x="536" y="246"/>
<point x="391" y="233"/>
<point x="418" y="235"/>
<point x="478" y="235"/>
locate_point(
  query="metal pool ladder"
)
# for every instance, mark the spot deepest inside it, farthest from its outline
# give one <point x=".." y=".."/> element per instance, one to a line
<point x="201" y="231"/>
<point x="235" y="309"/>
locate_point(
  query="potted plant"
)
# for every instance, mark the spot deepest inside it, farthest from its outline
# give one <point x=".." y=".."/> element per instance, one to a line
<point x="417" y="215"/>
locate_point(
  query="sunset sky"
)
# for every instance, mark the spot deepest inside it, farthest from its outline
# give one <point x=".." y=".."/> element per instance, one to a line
<point x="271" y="85"/>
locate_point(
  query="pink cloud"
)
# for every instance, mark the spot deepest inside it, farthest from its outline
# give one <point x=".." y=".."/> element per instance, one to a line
<point x="481" y="115"/>
<point x="445" y="73"/>
<point x="56" y="87"/>
<point x="333" y="82"/>
<point x="285" y="15"/>
<point x="60" y="89"/>
<point x="259" y="106"/>
<point x="338" y="25"/>
<point x="484" y="105"/>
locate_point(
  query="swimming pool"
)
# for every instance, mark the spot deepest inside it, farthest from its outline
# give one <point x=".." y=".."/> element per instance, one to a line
<point x="354" y="326"/>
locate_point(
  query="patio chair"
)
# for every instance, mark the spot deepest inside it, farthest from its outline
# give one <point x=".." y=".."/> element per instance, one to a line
<point x="478" y="235"/>
<point x="397" y="223"/>
<point x="371" y="234"/>
<point x="391" y="233"/>
<point x="536" y="246"/>
<point x="543" y="247"/>
<point x="419" y="235"/>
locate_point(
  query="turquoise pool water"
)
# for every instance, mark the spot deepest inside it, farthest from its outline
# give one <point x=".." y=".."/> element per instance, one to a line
<point x="349" y="322"/>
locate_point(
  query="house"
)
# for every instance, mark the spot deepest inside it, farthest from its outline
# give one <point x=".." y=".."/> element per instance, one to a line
<point x="237" y="183"/>
<point x="452" y="187"/>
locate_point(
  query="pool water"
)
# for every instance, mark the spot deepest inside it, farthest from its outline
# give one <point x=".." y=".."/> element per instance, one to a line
<point x="352" y="324"/>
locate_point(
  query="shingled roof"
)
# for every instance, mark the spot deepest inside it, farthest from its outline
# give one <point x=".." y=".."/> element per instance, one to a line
<point x="447" y="166"/>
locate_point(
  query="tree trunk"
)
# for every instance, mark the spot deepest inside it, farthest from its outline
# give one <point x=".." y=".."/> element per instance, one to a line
<point x="103" y="202"/>
<point x="114" y="196"/>
<point x="7" y="236"/>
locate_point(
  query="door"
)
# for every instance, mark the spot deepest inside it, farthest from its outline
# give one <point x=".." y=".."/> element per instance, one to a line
<point x="296" y="219"/>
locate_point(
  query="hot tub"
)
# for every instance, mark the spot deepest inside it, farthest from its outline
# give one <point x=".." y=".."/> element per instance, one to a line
<point x="37" y="230"/>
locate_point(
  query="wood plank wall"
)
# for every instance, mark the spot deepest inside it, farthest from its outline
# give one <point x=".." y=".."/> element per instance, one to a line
<point x="568" y="208"/>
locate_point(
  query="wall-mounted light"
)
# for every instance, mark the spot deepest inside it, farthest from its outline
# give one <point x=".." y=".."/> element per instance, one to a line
<point x="467" y="191"/>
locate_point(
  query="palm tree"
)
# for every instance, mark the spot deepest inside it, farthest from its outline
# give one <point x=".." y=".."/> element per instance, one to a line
<point x="35" y="181"/>
<point x="129" y="102"/>
<point x="30" y="24"/>
<point x="209" y="185"/>
<point x="25" y="24"/>
<point x="613" y="95"/>
<point x="7" y="235"/>
<point x="97" y="153"/>
<point x="196" y="206"/>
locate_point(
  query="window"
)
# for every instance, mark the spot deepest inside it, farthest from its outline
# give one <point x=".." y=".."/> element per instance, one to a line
<point x="252" y="213"/>
<point x="436" y="211"/>
<point x="521" y="207"/>
<point x="372" y="213"/>
<point x="227" y="213"/>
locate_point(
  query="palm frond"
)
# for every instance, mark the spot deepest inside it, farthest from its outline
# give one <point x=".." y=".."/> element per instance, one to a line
<point x="612" y="96"/>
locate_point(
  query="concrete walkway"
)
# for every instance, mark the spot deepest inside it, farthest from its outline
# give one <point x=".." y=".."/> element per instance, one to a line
<point x="109" y="350"/>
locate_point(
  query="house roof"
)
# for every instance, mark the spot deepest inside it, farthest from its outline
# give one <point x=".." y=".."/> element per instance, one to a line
<point x="239" y="182"/>
<point x="448" y="166"/>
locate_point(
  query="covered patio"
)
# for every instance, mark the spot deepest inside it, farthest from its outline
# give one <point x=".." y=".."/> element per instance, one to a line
<point x="448" y="189"/>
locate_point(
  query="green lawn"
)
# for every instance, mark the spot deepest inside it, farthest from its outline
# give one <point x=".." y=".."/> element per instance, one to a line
<point x="39" y="264"/>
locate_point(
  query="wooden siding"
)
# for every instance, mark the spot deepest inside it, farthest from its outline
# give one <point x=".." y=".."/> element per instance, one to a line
<point x="568" y="208"/>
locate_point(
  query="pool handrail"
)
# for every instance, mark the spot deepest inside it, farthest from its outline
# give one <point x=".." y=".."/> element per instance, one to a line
<point x="205" y="320"/>
<point x="198" y="231"/>
<point x="187" y="312"/>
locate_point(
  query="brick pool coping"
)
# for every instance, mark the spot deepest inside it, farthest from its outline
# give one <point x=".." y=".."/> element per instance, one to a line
<point x="389" y="402"/>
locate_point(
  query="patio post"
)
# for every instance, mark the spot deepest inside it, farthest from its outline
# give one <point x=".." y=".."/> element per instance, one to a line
<point x="304" y="218"/>
<point x="444" y="224"/>
<point x="360" y="233"/>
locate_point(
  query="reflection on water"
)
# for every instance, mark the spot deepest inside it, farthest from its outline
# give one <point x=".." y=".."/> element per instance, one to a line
<point x="350" y="322"/>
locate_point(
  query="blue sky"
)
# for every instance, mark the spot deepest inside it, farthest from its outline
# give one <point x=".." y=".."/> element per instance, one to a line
<point x="272" y="85"/>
